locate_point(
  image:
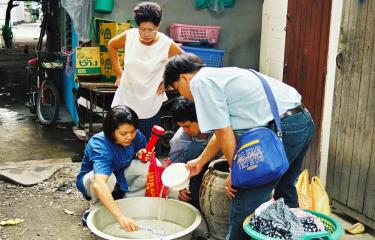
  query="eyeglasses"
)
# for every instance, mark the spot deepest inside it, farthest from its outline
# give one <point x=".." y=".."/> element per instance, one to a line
<point x="142" y="31"/>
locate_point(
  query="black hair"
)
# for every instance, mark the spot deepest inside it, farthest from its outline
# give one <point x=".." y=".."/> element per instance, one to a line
<point x="184" y="110"/>
<point x="180" y="64"/>
<point x="117" y="116"/>
<point x="147" y="12"/>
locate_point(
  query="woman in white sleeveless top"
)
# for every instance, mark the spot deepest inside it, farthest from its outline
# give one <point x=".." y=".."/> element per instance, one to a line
<point x="140" y="84"/>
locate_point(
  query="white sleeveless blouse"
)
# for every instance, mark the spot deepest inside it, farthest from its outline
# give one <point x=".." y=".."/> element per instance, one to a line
<point x="143" y="72"/>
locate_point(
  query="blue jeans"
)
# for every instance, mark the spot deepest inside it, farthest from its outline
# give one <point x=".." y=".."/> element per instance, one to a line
<point x="297" y="131"/>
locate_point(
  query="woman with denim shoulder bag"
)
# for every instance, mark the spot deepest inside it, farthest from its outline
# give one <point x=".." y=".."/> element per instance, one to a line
<point x="230" y="101"/>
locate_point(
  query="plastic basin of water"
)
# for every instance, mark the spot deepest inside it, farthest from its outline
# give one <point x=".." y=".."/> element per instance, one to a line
<point x="178" y="219"/>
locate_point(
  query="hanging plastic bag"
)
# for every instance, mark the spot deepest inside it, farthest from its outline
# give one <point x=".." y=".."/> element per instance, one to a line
<point x="154" y="184"/>
<point x="80" y="13"/>
<point x="204" y="4"/>
<point x="304" y="191"/>
<point x="216" y="5"/>
<point x="320" y="197"/>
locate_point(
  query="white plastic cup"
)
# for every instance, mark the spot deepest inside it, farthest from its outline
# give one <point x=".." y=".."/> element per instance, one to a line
<point x="176" y="176"/>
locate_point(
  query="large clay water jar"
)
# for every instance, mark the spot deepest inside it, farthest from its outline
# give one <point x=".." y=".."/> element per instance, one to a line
<point x="214" y="203"/>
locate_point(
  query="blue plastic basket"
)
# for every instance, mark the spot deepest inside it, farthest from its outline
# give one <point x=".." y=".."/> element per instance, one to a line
<point x="211" y="57"/>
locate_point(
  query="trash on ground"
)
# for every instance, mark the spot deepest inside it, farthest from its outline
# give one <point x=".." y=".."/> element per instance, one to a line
<point x="10" y="222"/>
<point x="80" y="134"/>
<point x="69" y="212"/>
<point x="357" y="228"/>
<point x="61" y="126"/>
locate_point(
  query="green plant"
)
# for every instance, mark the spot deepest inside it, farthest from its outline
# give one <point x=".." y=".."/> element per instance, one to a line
<point x="7" y="35"/>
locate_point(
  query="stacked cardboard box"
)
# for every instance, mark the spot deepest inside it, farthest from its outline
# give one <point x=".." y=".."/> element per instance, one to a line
<point x="107" y="32"/>
<point x="106" y="66"/>
<point x="88" y="61"/>
<point x="95" y="61"/>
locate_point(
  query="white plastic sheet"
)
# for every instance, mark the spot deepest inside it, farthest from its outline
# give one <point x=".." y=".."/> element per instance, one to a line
<point x="80" y="13"/>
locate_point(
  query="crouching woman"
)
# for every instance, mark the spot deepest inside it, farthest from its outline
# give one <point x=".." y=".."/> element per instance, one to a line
<point x="109" y="162"/>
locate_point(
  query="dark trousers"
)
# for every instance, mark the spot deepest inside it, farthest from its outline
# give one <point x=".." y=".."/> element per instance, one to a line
<point x="298" y="130"/>
<point x="191" y="152"/>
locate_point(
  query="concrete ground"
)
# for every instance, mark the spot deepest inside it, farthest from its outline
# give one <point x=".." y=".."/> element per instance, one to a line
<point x="23" y="138"/>
<point x="42" y="206"/>
<point x="27" y="33"/>
<point x="51" y="210"/>
<point x="347" y="221"/>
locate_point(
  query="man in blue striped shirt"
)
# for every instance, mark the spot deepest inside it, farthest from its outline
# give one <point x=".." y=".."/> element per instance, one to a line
<point x="187" y="144"/>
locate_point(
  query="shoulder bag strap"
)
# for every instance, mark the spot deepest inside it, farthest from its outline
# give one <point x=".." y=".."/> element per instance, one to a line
<point x="271" y="100"/>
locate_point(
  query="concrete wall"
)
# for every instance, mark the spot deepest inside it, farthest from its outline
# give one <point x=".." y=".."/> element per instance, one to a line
<point x="17" y="13"/>
<point x="273" y="38"/>
<point x="241" y="25"/>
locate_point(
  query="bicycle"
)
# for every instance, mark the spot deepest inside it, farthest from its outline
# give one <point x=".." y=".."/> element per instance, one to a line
<point x="43" y="96"/>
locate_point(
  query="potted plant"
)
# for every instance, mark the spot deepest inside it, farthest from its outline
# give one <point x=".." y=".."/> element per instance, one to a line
<point x="7" y="35"/>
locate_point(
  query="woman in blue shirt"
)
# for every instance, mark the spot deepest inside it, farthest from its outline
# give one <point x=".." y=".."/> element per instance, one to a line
<point x="109" y="159"/>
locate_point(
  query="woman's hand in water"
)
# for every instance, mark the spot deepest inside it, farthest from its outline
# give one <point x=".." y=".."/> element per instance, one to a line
<point x="127" y="223"/>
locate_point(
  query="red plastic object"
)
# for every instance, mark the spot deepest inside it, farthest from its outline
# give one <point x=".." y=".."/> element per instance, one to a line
<point x="154" y="184"/>
<point x="156" y="133"/>
<point x="33" y="61"/>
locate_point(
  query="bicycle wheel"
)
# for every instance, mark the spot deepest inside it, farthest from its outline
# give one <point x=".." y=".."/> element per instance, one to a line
<point x="31" y="94"/>
<point x="48" y="104"/>
<point x="31" y="100"/>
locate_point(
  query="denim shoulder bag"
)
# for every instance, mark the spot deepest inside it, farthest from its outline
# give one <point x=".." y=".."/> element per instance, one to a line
<point x="260" y="156"/>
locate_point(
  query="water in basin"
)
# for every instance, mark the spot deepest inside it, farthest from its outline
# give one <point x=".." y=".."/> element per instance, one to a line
<point x="177" y="219"/>
<point x="148" y="229"/>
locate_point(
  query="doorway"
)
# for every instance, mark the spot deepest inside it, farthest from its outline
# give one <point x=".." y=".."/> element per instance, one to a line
<point x="305" y="62"/>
